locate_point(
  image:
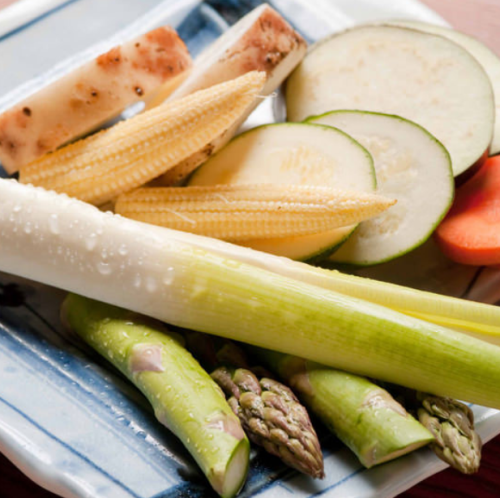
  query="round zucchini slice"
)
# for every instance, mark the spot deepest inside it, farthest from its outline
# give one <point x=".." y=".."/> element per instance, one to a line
<point x="485" y="56"/>
<point x="423" y="77"/>
<point x="411" y="166"/>
<point x="298" y="154"/>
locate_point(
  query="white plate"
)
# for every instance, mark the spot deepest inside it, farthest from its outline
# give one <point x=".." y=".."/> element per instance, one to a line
<point x="68" y="422"/>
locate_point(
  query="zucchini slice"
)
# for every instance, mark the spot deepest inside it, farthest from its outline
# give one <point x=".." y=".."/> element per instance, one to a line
<point x="411" y="166"/>
<point x="293" y="153"/>
<point x="420" y="76"/>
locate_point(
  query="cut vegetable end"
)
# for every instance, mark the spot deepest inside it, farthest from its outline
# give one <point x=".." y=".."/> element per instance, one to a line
<point x="361" y="414"/>
<point x="235" y="474"/>
<point x="292" y="153"/>
<point x="157" y="363"/>
<point x="372" y="460"/>
<point x="423" y="76"/>
<point x="411" y="166"/>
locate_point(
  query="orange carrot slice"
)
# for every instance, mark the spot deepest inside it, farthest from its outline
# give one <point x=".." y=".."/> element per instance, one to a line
<point x="470" y="233"/>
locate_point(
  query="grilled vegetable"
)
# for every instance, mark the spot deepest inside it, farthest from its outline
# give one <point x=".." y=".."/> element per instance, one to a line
<point x="411" y="166"/>
<point x="239" y="212"/>
<point x="261" y="41"/>
<point x="400" y="71"/>
<point x="297" y="154"/>
<point x="269" y="411"/>
<point x="90" y="95"/>
<point x="116" y="160"/>
<point x="184" y="397"/>
<point x="160" y="272"/>
<point x="361" y="414"/>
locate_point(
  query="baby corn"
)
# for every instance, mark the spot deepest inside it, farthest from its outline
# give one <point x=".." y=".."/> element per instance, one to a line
<point x="239" y="212"/>
<point x="99" y="168"/>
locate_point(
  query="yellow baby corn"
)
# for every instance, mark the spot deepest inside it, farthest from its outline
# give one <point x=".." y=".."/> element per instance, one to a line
<point x="99" y="168"/>
<point x="240" y="212"/>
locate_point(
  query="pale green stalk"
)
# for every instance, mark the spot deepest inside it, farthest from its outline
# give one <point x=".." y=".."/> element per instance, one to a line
<point x="184" y="397"/>
<point x="361" y="414"/>
<point x="160" y="273"/>
<point x="476" y="319"/>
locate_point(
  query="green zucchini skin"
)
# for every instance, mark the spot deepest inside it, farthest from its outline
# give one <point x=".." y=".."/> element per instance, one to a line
<point x="414" y="167"/>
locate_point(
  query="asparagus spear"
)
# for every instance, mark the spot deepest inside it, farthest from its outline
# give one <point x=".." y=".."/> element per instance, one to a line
<point x="184" y="397"/>
<point x="363" y="415"/>
<point x="452" y="425"/>
<point x="272" y="417"/>
<point x="269" y="411"/>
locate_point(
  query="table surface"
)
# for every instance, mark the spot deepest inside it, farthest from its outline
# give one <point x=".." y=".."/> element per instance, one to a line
<point x="480" y="18"/>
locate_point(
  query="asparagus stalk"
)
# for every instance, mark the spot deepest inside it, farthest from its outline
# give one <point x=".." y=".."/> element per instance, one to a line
<point x="184" y="397"/>
<point x="452" y="425"/>
<point x="159" y="272"/>
<point x="269" y="411"/>
<point x="361" y="414"/>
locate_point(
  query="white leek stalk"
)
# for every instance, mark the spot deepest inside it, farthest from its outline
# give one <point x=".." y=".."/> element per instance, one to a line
<point x="159" y="272"/>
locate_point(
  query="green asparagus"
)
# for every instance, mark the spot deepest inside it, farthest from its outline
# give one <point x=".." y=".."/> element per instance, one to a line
<point x="452" y="424"/>
<point x="363" y="415"/>
<point x="270" y="413"/>
<point x="184" y="397"/>
<point x="272" y="417"/>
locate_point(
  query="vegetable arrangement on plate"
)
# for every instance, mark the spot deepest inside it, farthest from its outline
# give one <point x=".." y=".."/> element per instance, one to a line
<point x="381" y="120"/>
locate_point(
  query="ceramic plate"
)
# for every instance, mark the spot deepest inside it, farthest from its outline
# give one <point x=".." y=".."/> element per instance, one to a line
<point x="68" y="422"/>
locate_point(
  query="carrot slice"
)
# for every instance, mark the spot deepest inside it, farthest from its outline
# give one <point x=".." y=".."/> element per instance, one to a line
<point x="470" y="233"/>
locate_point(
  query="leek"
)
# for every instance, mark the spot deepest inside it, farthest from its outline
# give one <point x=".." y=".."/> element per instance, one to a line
<point x="159" y="272"/>
<point x="476" y="319"/>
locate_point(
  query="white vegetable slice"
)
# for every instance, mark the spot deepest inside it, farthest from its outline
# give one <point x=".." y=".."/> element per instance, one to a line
<point x="486" y="57"/>
<point x="298" y="154"/>
<point x="412" y="167"/>
<point x="426" y="78"/>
